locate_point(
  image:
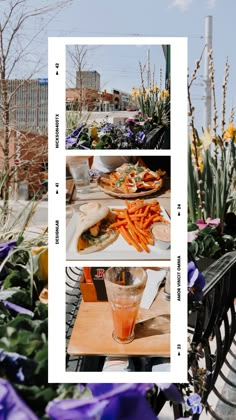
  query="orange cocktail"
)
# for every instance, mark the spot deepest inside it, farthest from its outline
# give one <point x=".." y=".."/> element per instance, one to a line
<point x="124" y="290"/>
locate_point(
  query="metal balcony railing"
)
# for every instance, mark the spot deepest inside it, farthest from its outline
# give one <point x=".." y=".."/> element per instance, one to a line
<point x="211" y="329"/>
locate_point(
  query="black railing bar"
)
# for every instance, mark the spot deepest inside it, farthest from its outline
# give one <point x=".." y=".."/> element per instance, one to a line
<point x="214" y="414"/>
<point x="72" y="358"/>
<point x="212" y="308"/>
<point x="71" y="313"/>
<point x="71" y="306"/>
<point x="73" y="279"/>
<point x="224" y="400"/>
<point x="69" y="319"/>
<point x="227" y="380"/>
<point x="72" y="269"/>
<point x="72" y="286"/>
<point x="224" y="267"/>
<point x="78" y="272"/>
<point x="73" y="294"/>
<point x="227" y="342"/>
<point x="210" y="363"/>
<point x="229" y="365"/>
<point x="72" y="302"/>
<point x="232" y="354"/>
<point x="218" y="356"/>
<point x="79" y="363"/>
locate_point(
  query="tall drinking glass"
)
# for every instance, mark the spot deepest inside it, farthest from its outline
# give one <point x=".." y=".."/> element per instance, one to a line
<point x="124" y="288"/>
<point x="79" y="168"/>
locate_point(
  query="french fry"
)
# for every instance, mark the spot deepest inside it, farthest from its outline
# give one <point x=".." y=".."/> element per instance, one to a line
<point x="134" y="222"/>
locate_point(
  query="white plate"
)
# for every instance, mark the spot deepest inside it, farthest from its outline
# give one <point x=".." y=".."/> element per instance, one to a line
<point x="118" y="250"/>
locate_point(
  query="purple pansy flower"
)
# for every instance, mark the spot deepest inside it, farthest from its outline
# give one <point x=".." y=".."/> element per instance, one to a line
<point x="107" y="128"/>
<point x="171" y="392"/>
<point x="110" y="402"/>
<point x="70" y="141"/>
<point x="129" y="133"/>
<point x="193" y="402"/>
<point x="11" y="406"/>
<point x="5" y="248"/>
<point x="15" y="365"/>
<point x="140" y="137"/>
<point x="196" y="283"/>
<point x="16" y="308"/>
<point x="78" y="130"/>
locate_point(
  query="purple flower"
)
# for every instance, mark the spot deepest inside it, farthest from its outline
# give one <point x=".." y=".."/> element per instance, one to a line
<point x="171" y="392"/>
<point x="107" y="128"/>
<point x="11" y="406"/>
<point x="5" y="248"/>
<point x="15" y="365"/>
<point x="78" y="130"/>
<point x="16" y="308"/>
<point x="109" y="402"/>
<point x="70" y="141"/>
<point x="112" y="389"/>
<point x="140" y="137"/>
<point x="129" y="133"/>
<point x="193" y="402"/>
<point x="196" y="283"/>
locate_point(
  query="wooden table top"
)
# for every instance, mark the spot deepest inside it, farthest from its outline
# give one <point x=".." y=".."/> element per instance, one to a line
<point x="92" y="331"/>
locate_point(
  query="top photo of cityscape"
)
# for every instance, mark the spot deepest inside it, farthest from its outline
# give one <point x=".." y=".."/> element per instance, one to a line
<point x="118" y="97"/>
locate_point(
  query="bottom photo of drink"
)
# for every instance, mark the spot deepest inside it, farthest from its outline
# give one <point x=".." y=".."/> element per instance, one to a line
<point x="118" y="319"/>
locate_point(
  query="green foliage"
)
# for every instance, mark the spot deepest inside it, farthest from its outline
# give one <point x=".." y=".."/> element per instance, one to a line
<point x="211" y="243"/>
<point x="216" y="177"/>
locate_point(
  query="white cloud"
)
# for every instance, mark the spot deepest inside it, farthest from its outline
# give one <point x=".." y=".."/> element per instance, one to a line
<point x="211" y="4"/>
<point x="183" y="4"/>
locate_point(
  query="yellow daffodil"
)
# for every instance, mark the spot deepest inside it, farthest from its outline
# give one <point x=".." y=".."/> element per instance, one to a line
<point x="230" y="132"/>
<point x="206" y="138"/>
<point x="200" y="162"/>
<point x="40" y="256"/>
<point x="164" y="94"/>
<point x="93" y="132"/>
<point x="135" y="92"/>
<point x="155" y="89"/>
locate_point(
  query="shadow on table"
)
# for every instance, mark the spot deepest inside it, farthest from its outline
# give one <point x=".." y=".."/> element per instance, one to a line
<point x="155" y="326"/>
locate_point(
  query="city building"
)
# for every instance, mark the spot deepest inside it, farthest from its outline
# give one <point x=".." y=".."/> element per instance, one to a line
<point x="88" y="79"/>
<point x="122" y="100"/>
<point x="93" y="100"/>
<point x="88" y="100"/>
<point x="28" y="105"/>
<point x="28" y="133"/>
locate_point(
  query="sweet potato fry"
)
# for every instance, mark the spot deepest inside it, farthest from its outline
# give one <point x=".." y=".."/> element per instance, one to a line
<point x="135" y="221"/>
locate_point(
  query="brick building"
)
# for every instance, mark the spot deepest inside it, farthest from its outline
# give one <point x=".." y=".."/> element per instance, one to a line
<point x="28" y="146"/>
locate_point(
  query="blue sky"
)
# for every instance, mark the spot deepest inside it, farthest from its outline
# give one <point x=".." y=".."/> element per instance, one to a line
<point x="161" y="18"/>
<point x="150" y="18"/>
<point x="119" y="65"/>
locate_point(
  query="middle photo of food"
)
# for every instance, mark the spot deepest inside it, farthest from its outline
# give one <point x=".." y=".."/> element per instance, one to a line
<point x="118" y="207"/>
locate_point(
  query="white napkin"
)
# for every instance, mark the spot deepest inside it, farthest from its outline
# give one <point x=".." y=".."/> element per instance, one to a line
<point x="154" y="279"/>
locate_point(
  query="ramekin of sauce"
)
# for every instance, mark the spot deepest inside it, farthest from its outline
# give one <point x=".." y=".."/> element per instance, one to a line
<point x="161" y="233"/>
